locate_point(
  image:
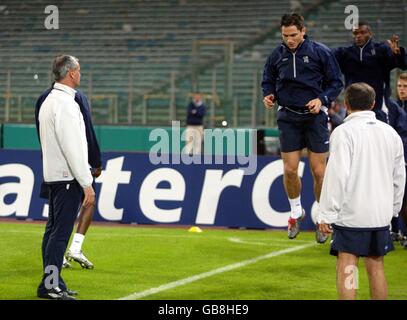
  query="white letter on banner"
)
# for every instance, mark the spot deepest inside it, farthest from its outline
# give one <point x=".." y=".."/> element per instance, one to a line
<point x="149" y="193"/>
<point x="110" y="178"/>
<point x="23" y="189"/>
<point x="261" y="190"/>
<point x="45" y="211"/>
<point x="215" y="182"/>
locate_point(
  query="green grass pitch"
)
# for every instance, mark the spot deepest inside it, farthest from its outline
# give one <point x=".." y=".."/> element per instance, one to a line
<point x="132" y="260"/>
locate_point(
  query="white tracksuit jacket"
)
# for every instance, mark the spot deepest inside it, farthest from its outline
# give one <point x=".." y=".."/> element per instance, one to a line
<point x="63" y="138"/>
<point x="365" y="176"/>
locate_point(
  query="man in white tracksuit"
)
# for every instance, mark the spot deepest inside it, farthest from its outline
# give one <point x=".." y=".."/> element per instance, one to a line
<point x="66" y="172"/>
<point x="362" y="190"/>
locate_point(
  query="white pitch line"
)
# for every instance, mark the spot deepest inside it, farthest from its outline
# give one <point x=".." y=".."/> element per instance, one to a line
<point x="256" y="243"/>
<point x="172" y="285"/>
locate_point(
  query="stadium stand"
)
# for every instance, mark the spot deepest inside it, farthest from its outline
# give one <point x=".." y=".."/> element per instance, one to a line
<point x="137" y="56"/>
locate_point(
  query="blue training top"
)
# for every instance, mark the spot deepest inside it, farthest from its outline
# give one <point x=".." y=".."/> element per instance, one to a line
<point x="371" y="64"/>
<point x="398" y="120"/>
<point x="297" y="77"/>
<point x="195" y="114"/>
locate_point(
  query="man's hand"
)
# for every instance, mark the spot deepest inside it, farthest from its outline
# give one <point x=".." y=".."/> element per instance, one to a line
<point x="89" y="199"/>
<point x="97" y="172"/>
<point x="269" y="101"/>
<point x="314" y="105"/>
<point x="394" y="44"/>
<point x="325" y="228"/>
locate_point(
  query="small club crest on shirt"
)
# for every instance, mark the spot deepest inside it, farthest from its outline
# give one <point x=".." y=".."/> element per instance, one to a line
<point x="65" y="174"/>
<point x="373" y="52"/>
<point x="306" y="59"/>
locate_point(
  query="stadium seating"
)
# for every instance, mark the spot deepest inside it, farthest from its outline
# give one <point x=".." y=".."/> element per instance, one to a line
<point x="129" y="50"/>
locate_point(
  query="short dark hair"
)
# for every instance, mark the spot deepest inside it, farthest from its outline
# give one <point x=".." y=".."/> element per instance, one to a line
<point x="366" y="24"/>
<point x="293" y="19"/>
<point x="360" y="96"/>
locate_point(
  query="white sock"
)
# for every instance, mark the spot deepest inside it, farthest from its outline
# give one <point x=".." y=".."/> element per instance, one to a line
<point x="76" y="245"/>
<point x="296" y="208"/>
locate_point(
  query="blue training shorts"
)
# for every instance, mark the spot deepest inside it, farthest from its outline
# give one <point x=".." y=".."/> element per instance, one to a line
<point x="361" y="243"/>
<point x="299" y="131"/>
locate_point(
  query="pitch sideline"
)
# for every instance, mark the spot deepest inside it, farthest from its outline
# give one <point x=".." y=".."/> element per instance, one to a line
<point x="181" y="282"/>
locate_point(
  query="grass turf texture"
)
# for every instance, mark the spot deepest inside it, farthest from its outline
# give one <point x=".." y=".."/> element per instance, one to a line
<point x="135" y="259"/>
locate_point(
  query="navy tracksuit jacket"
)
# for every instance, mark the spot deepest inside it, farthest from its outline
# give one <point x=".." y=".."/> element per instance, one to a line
<point x="398" y="120"/>
<point x="402" y="104"/>
<point x="371" y="64"/>
<point x="297" y="77"/>
<point x="195" y="114"/>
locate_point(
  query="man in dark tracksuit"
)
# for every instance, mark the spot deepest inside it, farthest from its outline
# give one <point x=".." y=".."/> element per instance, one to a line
<point x="194" y="134"/>
<point x="397" y="114"/>
<point x="303" y="76"/>
<point x="371" y="62"/>
<point x="95" y="161"/>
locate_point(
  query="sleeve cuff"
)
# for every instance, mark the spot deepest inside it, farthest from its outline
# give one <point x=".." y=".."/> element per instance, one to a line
<point x="86" y="182"/>
<point x="267" y="94"/>
<point x="328" y="219"/>
<point x="324" y="99"/>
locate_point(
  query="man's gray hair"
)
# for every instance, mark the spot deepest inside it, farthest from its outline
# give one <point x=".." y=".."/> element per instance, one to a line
<point x="62" y="65"/>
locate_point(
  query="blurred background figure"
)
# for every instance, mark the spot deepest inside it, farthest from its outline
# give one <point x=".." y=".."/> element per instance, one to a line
<point x="402" y="90"/>
<point x="337" y="112"/>
<point x="296" y="6"/>
<point x="194" y="132"/>
<point x="398" y="120"/>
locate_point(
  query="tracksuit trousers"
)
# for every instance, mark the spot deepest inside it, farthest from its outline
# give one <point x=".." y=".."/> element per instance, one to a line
<point x="64" y="204"/>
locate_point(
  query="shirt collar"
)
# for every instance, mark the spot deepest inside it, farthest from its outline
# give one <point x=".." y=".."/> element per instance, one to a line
<point x="360" y="114"/>
<point x="65" y="88"/>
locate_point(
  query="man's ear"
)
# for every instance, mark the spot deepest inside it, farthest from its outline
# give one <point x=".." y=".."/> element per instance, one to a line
<point x="372" y="106"/>
<point x="346" y="105"/>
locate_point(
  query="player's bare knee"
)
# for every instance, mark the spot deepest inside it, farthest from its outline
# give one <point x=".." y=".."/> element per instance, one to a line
<point x="318" y="173"/>
<point x="290" y="171"/>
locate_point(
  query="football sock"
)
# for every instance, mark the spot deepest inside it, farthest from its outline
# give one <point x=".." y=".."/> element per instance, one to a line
<point x="296" y="208"/>
<point x="76" y="245"/>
